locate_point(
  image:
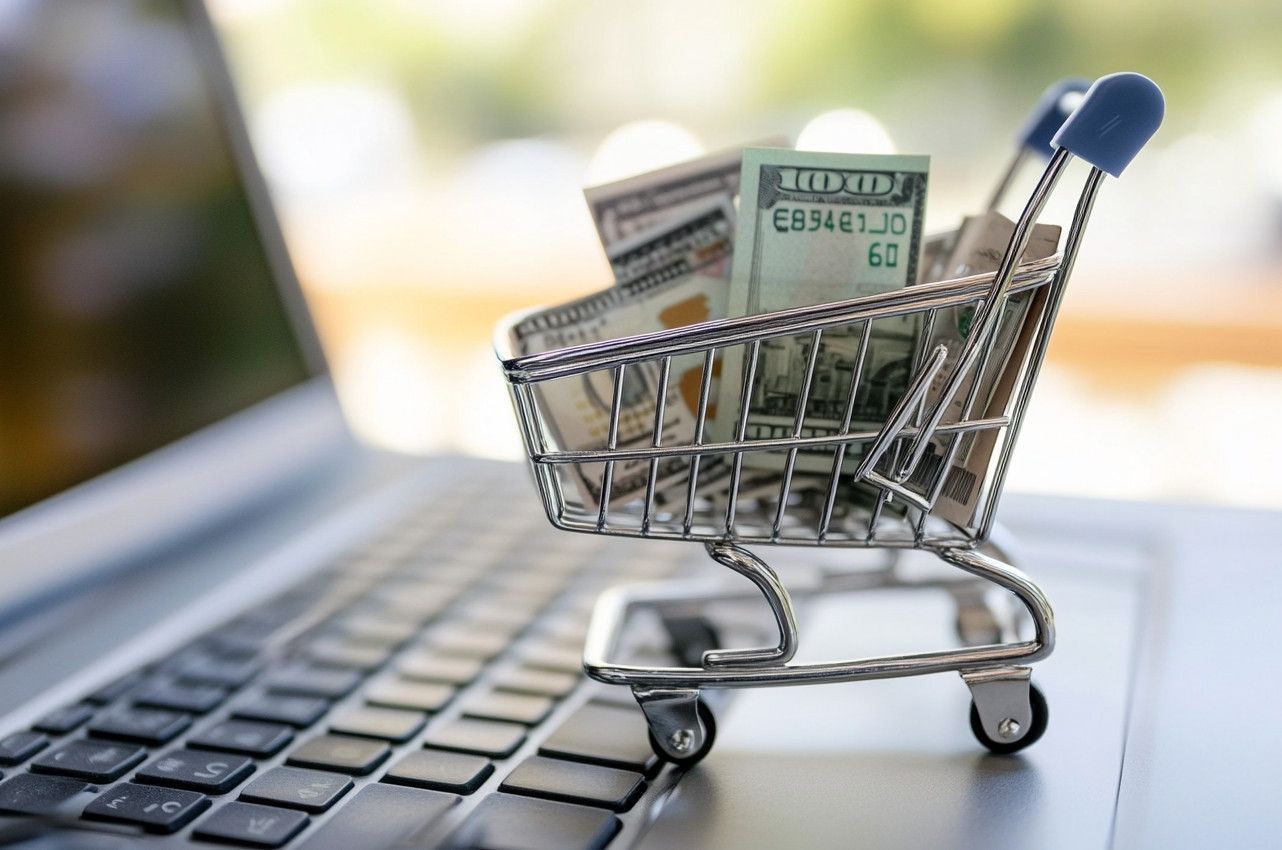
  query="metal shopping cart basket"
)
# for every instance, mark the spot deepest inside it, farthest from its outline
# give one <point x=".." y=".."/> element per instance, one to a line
<point x="883" y="485"/>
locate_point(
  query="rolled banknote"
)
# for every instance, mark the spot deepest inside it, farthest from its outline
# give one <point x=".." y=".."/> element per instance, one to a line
<point x="815" y="228"/>
<point x="625" y="208"/>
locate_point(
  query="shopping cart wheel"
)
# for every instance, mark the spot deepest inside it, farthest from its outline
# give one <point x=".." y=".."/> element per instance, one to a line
<point x="676" y="748"/>
<point x="1037" y="727"/>
<point x="691" y="637"/>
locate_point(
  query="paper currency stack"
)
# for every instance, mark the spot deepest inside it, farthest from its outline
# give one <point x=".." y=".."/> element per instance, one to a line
<point x="760" y="229"/>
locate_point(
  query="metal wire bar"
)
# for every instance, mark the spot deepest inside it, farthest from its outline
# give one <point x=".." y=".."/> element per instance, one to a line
<point x="656" y="440"/>
<point x="799" y="421"/>
<point x="745" y="399"/>
<point x="612" y="443"/>
<point x="701" y="421"/>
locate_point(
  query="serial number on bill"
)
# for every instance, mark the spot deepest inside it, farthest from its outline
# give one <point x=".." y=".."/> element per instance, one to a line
<point x="794" y="219"/>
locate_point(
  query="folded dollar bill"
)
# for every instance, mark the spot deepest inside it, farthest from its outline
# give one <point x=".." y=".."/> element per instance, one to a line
<point x="636" y="205"/>
<point x="674" y="274"/>
<point x="815" y="228"/>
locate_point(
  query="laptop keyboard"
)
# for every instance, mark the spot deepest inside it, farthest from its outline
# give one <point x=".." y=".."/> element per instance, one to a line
<point x="424" y="689"/>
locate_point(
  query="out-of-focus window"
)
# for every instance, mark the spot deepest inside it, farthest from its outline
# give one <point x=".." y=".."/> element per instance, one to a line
<point x="428" y="155"/>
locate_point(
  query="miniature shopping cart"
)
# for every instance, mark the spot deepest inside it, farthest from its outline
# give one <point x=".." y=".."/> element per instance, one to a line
<point x="884" y="486"/>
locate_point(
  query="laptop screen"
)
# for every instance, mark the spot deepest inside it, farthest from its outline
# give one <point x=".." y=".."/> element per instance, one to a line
<point x="137" y="304"/>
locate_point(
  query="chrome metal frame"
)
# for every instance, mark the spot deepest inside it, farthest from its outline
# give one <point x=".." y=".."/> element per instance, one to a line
<point x="993" y="660"/>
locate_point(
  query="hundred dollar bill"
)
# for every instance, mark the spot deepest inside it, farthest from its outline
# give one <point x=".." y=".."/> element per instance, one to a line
<point x="627" y="207"/>
<point x="666" y="286"/>
<point x="815" y="228"/>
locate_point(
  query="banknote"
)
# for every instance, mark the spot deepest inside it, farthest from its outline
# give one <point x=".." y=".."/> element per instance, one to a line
<point x="816" y="228"/>
<point x="627" y="207"/>
<point x="671" y="276"/>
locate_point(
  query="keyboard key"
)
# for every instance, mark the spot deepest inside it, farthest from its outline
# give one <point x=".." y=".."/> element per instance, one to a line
<point x="29" y="794"/>
<point x="469" y="641"/>
<point x="154" y="809"/>
<point x="63" y="720"/>
<point x="247" y="737"/>
<point x="310" y="790"/>
<point x="611" y="735"/>
<point x="482" y="737"/>
<point x="212" y="773"/>
<point x="115" y="690"/>
<point x="391" y="724"/>
<point x="528" y="680"/>
<point x="571" y="782"/>
<point x="348" y="654"/>
<point x="434" y="667"/>
<point x="369" y="629"/>
<point x="415" y="696"/>
<point x="517" y="708"/>
<point x="296" y="711"/>
<point x="505" y="822"/>
<point x="219" y="672"/>
<point x="92" y="761"/>
<point x="20" y="746"/>
<point x="380" y="816"/>
<point x="336" y="752"/>
<point x="442" y="770"/>
<point x="196" y="699"/>
<point x="145" y="725"/>
<point x="251" y="825"/>
<point x="553" y="655"/>
<point x="308" y="681"/>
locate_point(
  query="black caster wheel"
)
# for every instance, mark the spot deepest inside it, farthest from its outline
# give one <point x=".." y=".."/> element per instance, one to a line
<point x="694" y="757"/>
<point x="1041" y="715"/>
<point x="691" y="637"/>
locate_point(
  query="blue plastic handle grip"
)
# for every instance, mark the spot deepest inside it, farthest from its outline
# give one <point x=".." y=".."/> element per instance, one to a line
<point x="1118" y="115"/>
<point x="1051" y="111"/>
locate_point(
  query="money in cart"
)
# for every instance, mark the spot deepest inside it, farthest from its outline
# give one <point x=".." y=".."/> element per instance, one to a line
<point x="941" y="440"/>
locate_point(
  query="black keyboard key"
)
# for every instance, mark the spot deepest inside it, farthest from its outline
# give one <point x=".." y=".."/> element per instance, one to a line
<point x="611" y="735"/>
<point x="442" y="770"/>
<point x="115" y="690"/>
<point x="391" y="724"/>
<point x="572" y="782"/>
<point x="29" y="794"/>
<point x="154" y="809"/>
<point x="505" y="822"/>
<point x="212" y="773"/>
<point x="279" y="708"/>
<point x="196" y="699"/>
<point x="380" y="816"/>
<point x="517" y="708"/>
<point x="295" y="788"/>
<point x="251" y="825"/>
<point x="62" y="720"/>
<point x="219" y="672"/>
<point x="92" y="761"/>
<point x="482" y="737"/>
<point x="336" y="752"/>
<point x="20" y="746"/>
<point x="528" y="680"/>
<point x="308" y="681"/>
<point x="145" y="725"/>
<point x="433" y="667"/>
<point x="415" y="696"/>
<point x="247" y="737"/>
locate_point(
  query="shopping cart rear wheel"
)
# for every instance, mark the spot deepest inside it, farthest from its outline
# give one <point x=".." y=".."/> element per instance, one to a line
<point x="1041" y="716"/>
<point x="709" y="721"/>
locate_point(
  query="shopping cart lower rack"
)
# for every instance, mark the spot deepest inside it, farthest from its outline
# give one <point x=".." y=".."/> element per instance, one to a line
<point x="884" y="484"/>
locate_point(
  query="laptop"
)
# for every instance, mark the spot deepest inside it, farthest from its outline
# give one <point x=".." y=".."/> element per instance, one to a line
<point x="224" y="622"/>
<point x="221" y="619"/>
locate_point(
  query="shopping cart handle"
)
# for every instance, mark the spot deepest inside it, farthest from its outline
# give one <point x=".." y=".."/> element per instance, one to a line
<point x="1056" y="104"/>
<point x="1118" y="115"/>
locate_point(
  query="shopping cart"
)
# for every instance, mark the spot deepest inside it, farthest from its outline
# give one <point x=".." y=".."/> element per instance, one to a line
<point x="883" y="485"/>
